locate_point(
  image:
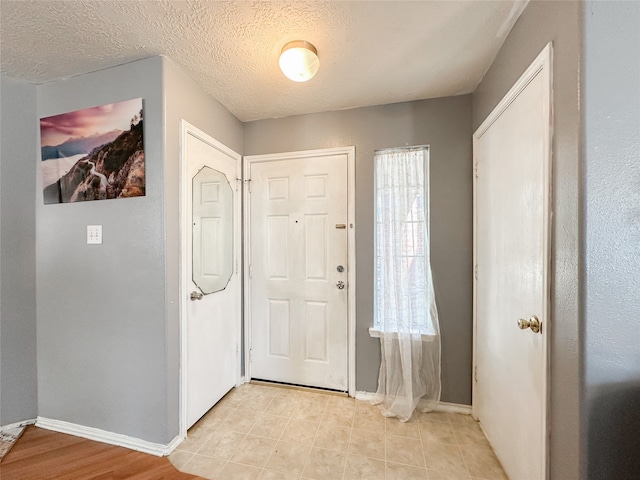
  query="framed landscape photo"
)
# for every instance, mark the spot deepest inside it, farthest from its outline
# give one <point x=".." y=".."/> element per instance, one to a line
<point x="93" y="154"/>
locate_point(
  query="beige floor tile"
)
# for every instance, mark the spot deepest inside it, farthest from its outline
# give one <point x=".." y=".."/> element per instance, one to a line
<point x="443" y="457"/>
<point x="304" y="435"/>
<point x="274" y="475"/>
<point x="363" y="468"/>
<point x="240" y="421"/>
<point x="440" y="475"/>
<point x="179" y="458"/>
<point x="254" y="451"/>
<point x="434" y="416"/>
<point x="282" y="406"/>
<point x="222" y="444"/>
<point x="367" y="444"/>
<point x="324" y="465"/>
<point x="470" y="434"/>
<point x="235" y="471"/>
<point x="460" y="418"/>
<point x="200" y="433"/>
<point x="369" y="419"/>
<point x="340" y="415"/>
<point x="300" y="431"/>
<point x="257" y="404"/>
<point x="205" y="467"/>
<point x="317" y="398"/>
<point x="311" y="412"/>
<point x="288" y="457"/>
<point x="404" y="450"/>
<point x="405" y="472"/>
<point x="333" y="437"/>
<point x="365" y="406"/>
<point x="270" y="426"/>
<point x="231" y="399"/>
<point x="216" y="415"/>
<point x="192" y="444"/>
<point x="482" y="462"/>
<point x="433" y="431"/>
<point x="339" y="400"/>
<point x="402" y="429"/>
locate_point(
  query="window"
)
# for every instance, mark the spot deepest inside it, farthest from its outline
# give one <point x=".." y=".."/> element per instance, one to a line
<point x="403" y="288"/>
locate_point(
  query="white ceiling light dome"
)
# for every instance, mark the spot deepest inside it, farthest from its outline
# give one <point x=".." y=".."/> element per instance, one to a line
<point x="299" y="61"/>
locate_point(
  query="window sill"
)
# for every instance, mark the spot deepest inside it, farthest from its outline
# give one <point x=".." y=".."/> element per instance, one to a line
<point x="376" y="333"/>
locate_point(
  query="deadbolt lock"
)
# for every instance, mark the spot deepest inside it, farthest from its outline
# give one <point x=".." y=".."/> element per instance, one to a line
<point x="340" y="268"/>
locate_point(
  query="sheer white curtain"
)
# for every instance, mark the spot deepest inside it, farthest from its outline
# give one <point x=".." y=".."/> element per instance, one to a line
<point x="405" y="310"/>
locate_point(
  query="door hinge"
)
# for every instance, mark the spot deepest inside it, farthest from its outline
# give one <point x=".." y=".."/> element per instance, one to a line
<point x="475" y="373"/>
<point x="251" y="355"/>
<point x="250" y="271"/>
<point x="475" y="272"/>
<point x="475" y="169"/>
<point x="247" y="182"/>
<point x="238" y="183"/>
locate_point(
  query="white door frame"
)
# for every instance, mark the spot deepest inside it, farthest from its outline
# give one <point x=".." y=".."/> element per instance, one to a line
<point x="187" y="129"/>
<point x="541" y="65"/>
<point x="351" y="251"/>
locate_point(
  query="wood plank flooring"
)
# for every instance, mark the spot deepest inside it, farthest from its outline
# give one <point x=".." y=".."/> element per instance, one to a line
<point x="41" y="454"/>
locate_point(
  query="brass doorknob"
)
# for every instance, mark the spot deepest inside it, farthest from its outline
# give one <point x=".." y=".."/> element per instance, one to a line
<point x="533" y="323"/>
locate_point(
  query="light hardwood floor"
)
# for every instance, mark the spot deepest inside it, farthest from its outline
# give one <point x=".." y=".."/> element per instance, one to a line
<point x="41" y="455"/>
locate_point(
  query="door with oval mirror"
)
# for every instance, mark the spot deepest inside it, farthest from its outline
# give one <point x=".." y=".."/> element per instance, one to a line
<point x="212" y="218"/>
<point x="211" y="302"/>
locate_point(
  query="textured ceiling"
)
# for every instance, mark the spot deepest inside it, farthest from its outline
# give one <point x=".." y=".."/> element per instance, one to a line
<point x="371" y="52"/>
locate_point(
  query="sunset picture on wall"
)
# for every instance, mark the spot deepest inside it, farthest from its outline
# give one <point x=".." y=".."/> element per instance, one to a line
<point x="93" y="154"/>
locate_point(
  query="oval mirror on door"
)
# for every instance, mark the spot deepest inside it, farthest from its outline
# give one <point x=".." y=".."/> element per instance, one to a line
<point x="212" y="216"/>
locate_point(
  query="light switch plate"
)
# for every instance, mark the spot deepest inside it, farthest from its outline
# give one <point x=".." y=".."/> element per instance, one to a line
<point x="94" y="234"/>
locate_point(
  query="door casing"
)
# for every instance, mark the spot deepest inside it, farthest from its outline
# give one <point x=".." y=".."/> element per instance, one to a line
<point x="541" y="65"/>
<point x="351" y="251"/>
<point x="188" y="129"/>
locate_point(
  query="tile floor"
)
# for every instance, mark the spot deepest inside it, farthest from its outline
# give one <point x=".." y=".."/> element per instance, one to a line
<point x="259" y="432"/>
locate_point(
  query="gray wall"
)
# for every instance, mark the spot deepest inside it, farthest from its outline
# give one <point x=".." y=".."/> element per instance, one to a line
<point x="611" y="214"/>
<point x="108" y="315"/>
<point x="18" y="372"/>
<point x="184" y="99"/>
<point x="445" y="125"/>
<point x="540" y="23"/>
<point x="102" y="335"/>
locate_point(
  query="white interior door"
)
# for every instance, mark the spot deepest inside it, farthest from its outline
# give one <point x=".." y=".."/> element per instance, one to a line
<point x="512" y="188"/>
<point x="212" y="286"/>
<point x="299" y="270"/>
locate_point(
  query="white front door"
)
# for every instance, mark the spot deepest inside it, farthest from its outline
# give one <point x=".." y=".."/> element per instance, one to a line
<point x="212" y="286"/>
<point x="299" y="270"/>
<point x="512" y="190"/>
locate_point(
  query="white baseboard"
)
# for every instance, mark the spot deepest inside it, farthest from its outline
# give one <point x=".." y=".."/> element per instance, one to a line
<point x="111" y="438"/>
<point x="21" y="424"/>
<point x="442" y="406"/>
<point x="364" y="396"/>
<point x="454" y="408"/>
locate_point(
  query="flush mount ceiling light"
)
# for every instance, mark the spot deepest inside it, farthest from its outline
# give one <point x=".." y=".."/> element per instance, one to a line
<point x="299" y="61"/>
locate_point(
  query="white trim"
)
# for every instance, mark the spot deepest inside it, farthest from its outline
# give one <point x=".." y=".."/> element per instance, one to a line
<point x="351" y="250"/>
<point x="364" y="396"/>
<point x="377" y="333"/>
<point x="111" y="438"/>
<point x="442" y="406"/>
<point x="21" y="424"/>
<point x="454" y="408"/>
<point x="543" y="64"/>
<point x="187" y="129"/>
